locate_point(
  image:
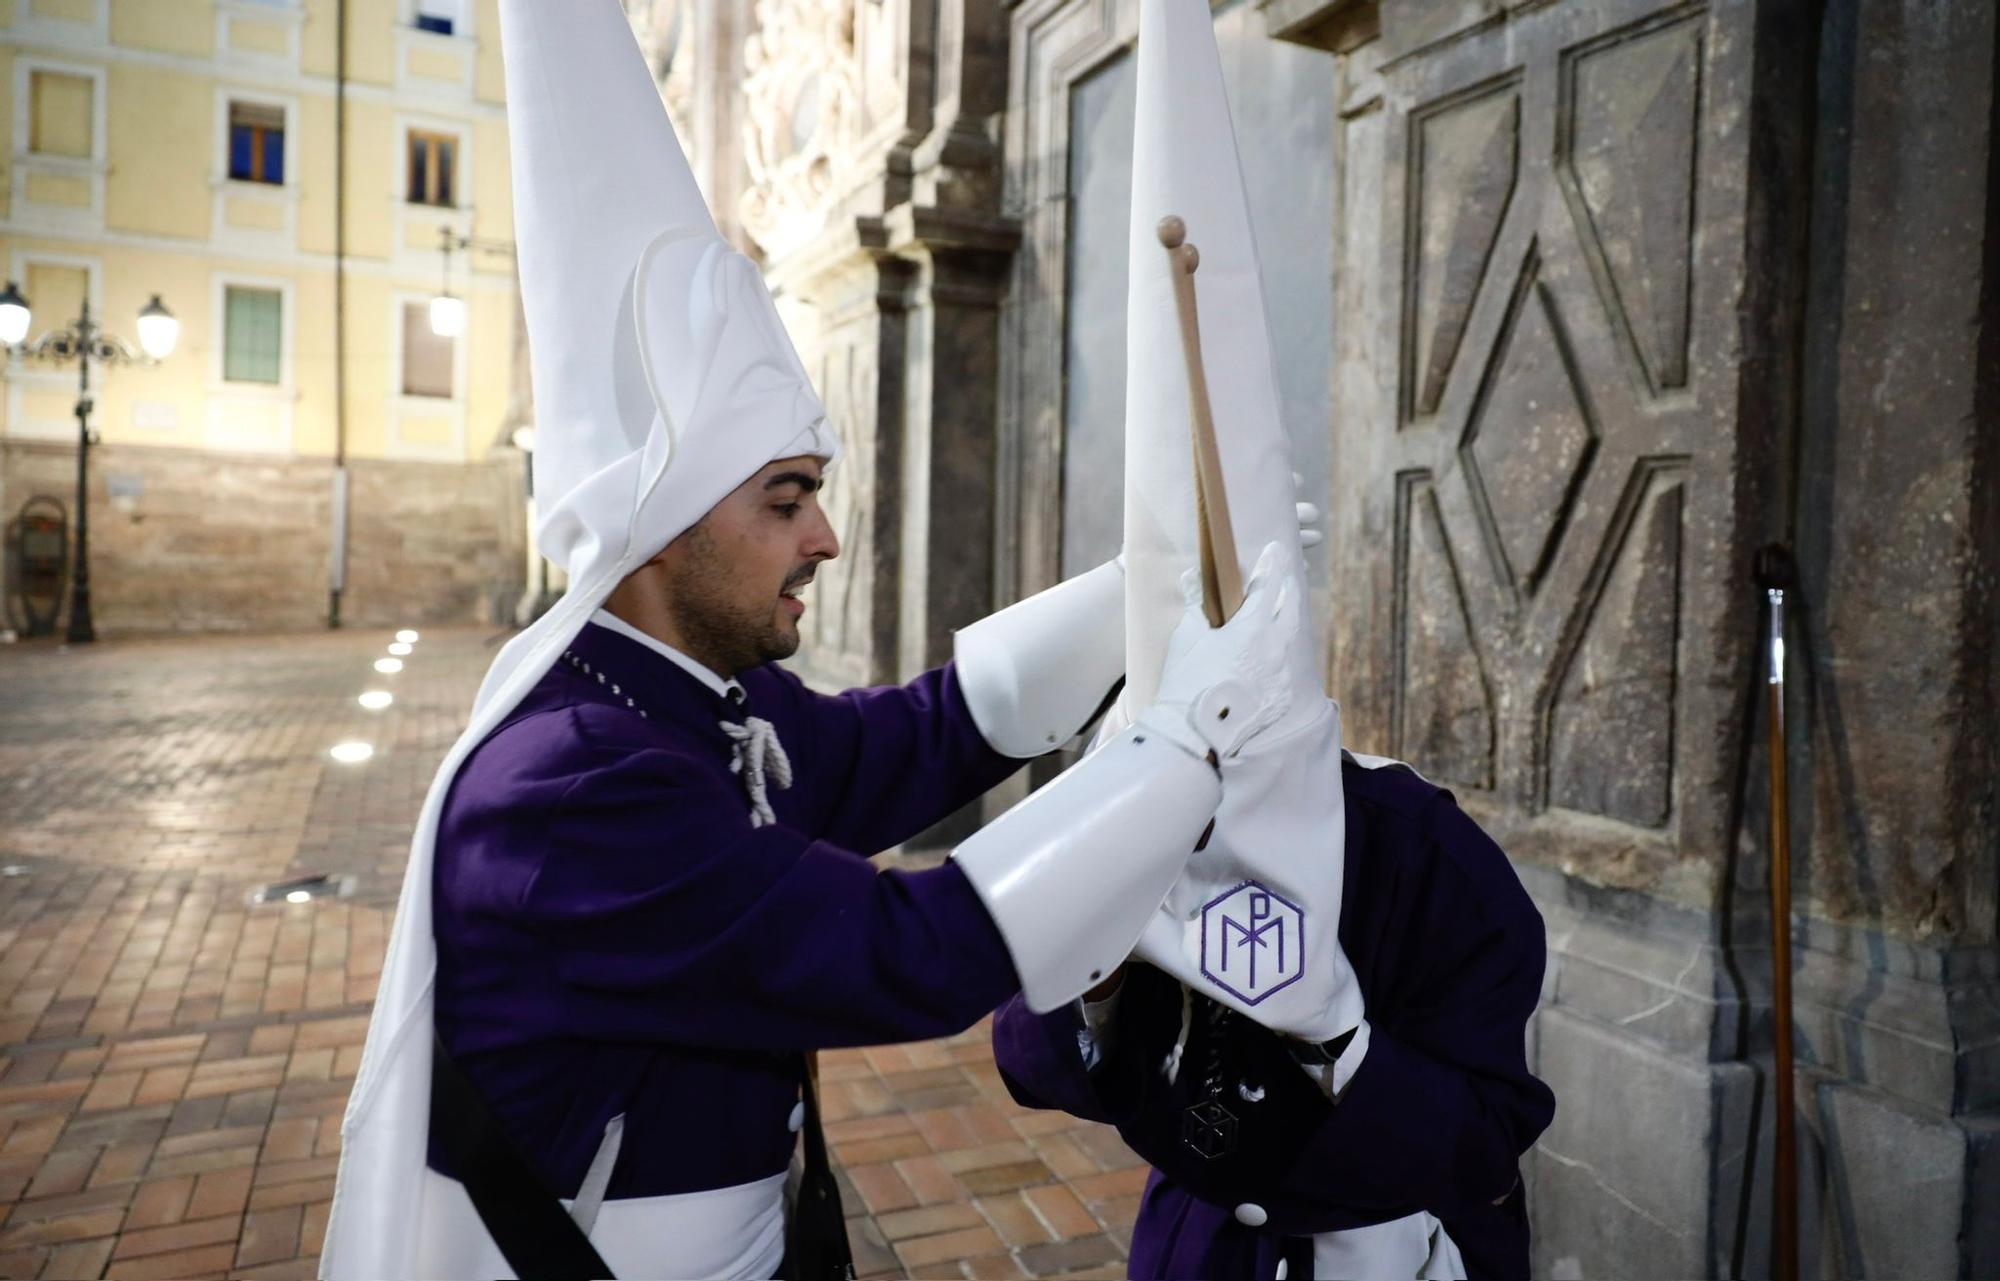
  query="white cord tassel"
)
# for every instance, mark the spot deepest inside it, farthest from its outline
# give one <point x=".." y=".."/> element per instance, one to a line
<point x="760" y="760"/>
<point x="1170" y="1067"/>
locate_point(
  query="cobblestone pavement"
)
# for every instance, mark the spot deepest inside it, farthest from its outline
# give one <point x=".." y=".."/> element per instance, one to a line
<point x="174" y="1060"/>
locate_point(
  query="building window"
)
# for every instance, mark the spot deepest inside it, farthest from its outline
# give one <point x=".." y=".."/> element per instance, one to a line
<point x="57" y="290"/>
<point x="62" y="109"/>
<point x="433" y="168"/>
<point x="427" y="358"/>
<point x="256" y="143"/>
<point x="253" y="335"/>
<point x="440" y="16"/>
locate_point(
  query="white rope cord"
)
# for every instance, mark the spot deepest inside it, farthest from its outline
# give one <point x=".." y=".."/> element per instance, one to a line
<point x="760" y="761"/>
<point x="1170" y="1067"/>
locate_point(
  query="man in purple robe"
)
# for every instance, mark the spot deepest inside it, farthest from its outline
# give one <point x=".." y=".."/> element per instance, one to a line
<point x="1411" y="1152"/>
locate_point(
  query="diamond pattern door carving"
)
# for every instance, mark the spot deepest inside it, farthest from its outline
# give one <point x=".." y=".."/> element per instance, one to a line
<point x="1540" y="519"/>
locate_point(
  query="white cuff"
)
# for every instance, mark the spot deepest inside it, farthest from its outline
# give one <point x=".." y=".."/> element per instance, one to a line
<point x="1094" y="1037"/>
<point x="1333" y="1077"/>
<point x="1036" y="673"/>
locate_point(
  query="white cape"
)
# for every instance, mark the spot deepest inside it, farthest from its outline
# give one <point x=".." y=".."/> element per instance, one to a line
<point x="663" y="380"/>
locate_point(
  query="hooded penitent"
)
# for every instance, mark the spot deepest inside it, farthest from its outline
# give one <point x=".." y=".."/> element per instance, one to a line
<point x="1253" y="922"/>
<point x="662" y="381"/>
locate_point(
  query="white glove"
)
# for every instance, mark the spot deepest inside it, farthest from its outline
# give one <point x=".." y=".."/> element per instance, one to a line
<point x="1222" y="685"/>
<point x="1254" y="920"/>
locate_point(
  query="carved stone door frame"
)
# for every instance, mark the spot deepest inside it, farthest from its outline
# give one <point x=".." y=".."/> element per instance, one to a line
<point x="1565" y="453"/>
<point x="1053" y="44"/>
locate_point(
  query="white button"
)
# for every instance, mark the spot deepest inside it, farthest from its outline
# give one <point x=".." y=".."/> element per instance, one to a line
<point x="1251" y="1215"/>
<point x="797" y="1120"/>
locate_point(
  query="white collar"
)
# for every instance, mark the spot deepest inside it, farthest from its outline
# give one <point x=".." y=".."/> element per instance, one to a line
<point x="721" y="688"/>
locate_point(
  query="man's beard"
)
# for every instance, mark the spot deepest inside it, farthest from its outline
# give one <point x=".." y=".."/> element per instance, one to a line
<point x="722" y="627"/>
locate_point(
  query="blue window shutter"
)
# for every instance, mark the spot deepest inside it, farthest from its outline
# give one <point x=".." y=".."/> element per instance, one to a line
<point x="241" y="139"/>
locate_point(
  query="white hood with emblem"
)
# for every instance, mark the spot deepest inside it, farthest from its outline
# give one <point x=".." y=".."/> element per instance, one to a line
<point x="1280" y="831"/>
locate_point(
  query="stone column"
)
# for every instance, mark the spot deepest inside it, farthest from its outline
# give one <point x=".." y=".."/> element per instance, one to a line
<point x="867" y="178"/>
<point x="1896" y="741"/>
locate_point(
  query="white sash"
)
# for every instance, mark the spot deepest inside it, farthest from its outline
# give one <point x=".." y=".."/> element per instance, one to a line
<point x="736" y="1232"/>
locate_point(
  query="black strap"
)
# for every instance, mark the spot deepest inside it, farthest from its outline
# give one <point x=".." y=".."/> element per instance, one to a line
<point x="1320" y="1053"/>
<point x="527" y="1221"/>
<point x="1298" y="1256"/>
<point x="816" y="1247"/>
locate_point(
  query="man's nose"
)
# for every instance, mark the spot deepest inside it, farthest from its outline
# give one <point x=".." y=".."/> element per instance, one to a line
<point x="820" y="542"/>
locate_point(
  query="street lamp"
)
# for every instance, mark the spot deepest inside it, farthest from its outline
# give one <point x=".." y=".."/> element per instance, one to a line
<point x="448" y="309"/>
<point x="85" y="341"/>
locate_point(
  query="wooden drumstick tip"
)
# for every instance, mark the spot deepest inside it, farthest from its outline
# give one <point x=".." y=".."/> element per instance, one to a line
<point x="1172" y="231"/>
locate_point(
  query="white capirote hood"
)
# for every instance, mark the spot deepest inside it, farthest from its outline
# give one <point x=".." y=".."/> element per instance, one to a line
<point x="1281" y="826"/>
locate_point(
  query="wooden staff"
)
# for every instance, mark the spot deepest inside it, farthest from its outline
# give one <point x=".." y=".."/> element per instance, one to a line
<point x="1221" y="571"/>
<point x="1774" y="573"/>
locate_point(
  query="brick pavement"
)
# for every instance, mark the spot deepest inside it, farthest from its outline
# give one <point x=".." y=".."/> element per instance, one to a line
<point x="174" y="1060"/>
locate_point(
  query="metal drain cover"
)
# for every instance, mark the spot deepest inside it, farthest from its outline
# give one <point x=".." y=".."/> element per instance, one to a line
<point x="304" y="889"/>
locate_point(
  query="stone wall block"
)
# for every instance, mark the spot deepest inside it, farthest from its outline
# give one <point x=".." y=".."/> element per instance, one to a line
<point x="1623" y="1181"/>
<point x="240" y="542"/>
<point x="1982" y="1248"/>
<point x="1645" y="968"/>
<point x="1896" y="1182"/>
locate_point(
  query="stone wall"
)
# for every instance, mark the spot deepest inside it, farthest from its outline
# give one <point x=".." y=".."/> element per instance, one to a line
<point x="201" y="541"/>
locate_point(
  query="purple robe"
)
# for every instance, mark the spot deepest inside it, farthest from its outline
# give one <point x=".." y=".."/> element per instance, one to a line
<point x="614" y="936"/>
<point x="1449" y="952"/>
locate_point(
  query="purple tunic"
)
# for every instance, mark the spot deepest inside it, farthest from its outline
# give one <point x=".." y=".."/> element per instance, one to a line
<point x="1449" y="952"/>
<point x="615" y="937"/>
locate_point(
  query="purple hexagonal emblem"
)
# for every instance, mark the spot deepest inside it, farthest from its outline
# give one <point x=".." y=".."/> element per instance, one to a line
<point x="1253" y="941"/>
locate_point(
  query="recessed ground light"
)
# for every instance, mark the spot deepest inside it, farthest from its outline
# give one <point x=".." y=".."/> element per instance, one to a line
<point x="303" y="889"/>
<point x="351" y="753"/>
<point x="377" y="699"/>
<point x="400" y="650"/>
<point x="388" y="666"/>
<point x="407" y="636"/>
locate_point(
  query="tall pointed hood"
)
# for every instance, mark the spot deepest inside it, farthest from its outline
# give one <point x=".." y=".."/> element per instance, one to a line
<point x="1279" y="836"/>
<point x="650" y="336"/>
<point x="1184" y="163"/>
<point x="662" y="380"/>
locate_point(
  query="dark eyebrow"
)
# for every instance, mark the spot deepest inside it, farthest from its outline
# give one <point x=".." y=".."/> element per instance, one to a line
<point x="805" y="482"/>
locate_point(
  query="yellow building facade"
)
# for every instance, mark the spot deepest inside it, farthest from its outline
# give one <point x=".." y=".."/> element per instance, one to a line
<point x="288" y="205"/>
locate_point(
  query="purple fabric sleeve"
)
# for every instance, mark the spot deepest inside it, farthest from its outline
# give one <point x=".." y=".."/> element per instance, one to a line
<point x="883" y="764"/>
<point x="1041" y="1062"/>
<point x="669" y="917"/>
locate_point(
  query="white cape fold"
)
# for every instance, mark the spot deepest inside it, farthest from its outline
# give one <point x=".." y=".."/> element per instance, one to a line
<point x="663" y="379"/>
